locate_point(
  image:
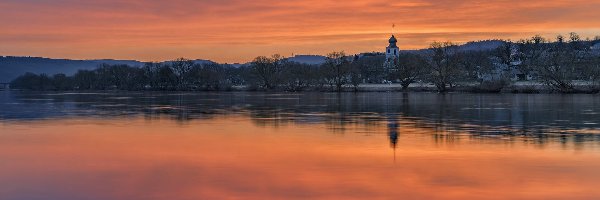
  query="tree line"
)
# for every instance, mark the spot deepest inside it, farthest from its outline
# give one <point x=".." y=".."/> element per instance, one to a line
<point x="565" y="64"/>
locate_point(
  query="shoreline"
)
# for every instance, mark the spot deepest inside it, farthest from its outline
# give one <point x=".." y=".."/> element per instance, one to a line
<point x="517" y="88"/>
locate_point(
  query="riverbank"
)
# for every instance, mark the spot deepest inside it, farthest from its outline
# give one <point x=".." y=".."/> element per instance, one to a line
<point x="516" y="87"/>
<point x="526" y="87"/>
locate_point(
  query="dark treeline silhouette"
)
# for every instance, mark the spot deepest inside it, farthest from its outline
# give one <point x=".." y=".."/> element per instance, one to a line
<point x="565" y="64"/>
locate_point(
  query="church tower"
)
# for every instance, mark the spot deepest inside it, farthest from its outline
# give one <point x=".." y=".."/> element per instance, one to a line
<point x="392" y="51"/>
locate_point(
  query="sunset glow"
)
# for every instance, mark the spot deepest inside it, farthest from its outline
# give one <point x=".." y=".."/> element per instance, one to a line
<point x="239" y="30"/>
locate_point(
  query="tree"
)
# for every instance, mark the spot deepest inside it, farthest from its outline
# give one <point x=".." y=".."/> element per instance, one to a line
<point x="444" y="65"/>
<point x="267" y="70"/>
<point x="28" y="81"/>
<point x="407" y="69"/>
<point x="592" y="72"/>
<point x="151" y="73"/>
<point x="354" y="76"/>
<point x="558" y="64"/>
<point x="235" y="75"/>
<point x="210" y="76"/>
<point x="134" y="79"/>
<point x="337" y="68"/>
<point x="122" y="77"/>
<point x="181" y="68"/>
<point x="482" y="63"/>
<point x="62" y="82"/>
<point x="505" y="53"/>
<point x="85" y="80"/>
<point x="167" y="79"/>
<point x="370" y="68"/>
<point x="297" y="76"/>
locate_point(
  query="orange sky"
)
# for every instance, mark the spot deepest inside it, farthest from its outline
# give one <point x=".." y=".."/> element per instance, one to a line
<point x="239" y="30"/>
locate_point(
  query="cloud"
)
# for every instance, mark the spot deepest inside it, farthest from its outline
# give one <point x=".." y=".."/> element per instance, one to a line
<point x="111" y="25"/>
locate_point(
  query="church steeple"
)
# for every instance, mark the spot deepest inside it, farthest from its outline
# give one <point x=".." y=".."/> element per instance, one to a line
<point x="392" y="51"/>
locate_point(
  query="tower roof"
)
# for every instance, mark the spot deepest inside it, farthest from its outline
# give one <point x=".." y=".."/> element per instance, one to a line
<point x="393" y="41"/>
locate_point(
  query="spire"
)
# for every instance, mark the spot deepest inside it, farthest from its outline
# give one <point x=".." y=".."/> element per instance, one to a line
<point x="393" y="39"/>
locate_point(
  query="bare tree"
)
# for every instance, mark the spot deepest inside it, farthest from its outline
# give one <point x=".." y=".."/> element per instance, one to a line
<point x="355" y="76"/>
<point x="210" y="76"/>
<point x="558" y="64"/>
<point x="297" y="76"/>
<point x="267" y="70"/>
<point x="337" y="68"/>
<point x="444" y="65"/>
<point x="408" y="68"/>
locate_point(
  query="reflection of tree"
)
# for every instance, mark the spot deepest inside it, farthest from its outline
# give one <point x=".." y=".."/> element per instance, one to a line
<point x="445" y="138"/>
<point x="406" y="104"/>
<point x="539" y="119"/>
<point x="339" y="126"/>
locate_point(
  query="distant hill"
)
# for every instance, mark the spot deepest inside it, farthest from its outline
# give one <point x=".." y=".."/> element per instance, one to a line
<point x="482" y="45"/>
<point x="197" y="61"/>
<point x="304" y="59"/>
<point x="11" y="67"/>
<point x="308" y="59"/>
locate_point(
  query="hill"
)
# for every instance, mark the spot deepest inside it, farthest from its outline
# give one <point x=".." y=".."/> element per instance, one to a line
<point x="11" y="66"/>
<point x="308" y="59"/>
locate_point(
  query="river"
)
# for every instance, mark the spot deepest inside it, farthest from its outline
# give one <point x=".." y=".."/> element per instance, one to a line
<point x="245" y="145"/>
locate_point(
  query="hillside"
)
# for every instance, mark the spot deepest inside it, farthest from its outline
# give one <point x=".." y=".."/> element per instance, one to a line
<point x="308" y="59"/>
<point x="11" y="67"/>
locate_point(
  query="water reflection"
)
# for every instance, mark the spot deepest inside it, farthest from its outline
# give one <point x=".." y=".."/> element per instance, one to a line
<point x="142" y="158"/>
<point x="298" y="146"/>
<point x="538" y="117"/>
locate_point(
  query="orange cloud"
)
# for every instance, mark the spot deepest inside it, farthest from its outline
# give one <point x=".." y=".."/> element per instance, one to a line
<point x="237" y="31"/>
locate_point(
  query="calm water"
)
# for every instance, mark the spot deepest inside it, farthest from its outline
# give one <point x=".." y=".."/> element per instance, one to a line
<point x="298" y="146"/>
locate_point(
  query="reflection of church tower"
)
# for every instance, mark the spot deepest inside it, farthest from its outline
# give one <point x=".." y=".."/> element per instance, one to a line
<point x="393" y="131"/>
<point x="393" y="126"/>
